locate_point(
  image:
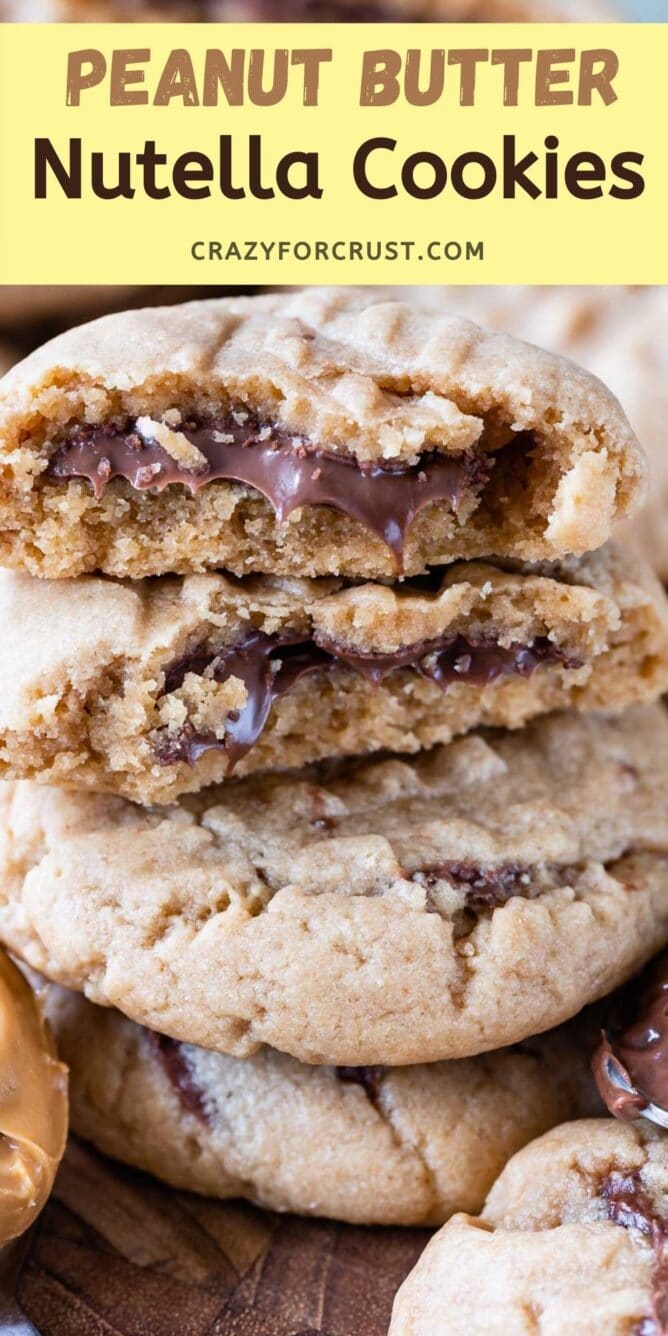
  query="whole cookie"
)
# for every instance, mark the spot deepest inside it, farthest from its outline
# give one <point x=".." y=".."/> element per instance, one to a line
<point x="378" y="912"/>
<point x="368" y="1145"/>
<point x="156" y="688"/>
<point x="324" y="432"/>
<point x="573" y="1238"/>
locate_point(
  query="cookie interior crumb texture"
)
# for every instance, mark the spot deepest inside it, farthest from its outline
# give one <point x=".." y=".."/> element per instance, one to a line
<point x="158" y="688"/>
<point x="381" y="439"/>
<point x="458" y="902"/>
<point x="575" y="1230"/>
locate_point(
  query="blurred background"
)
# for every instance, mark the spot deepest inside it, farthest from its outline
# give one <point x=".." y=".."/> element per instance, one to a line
<point x="647" y="11"/>
<point x="178" y="10"/>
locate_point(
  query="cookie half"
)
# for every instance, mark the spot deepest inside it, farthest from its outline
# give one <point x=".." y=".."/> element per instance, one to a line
<point x="573" y="1238"/>
<point x="326" y="432"/>
<point x="157" y="688"/>
<point x="368" y="1145"/>
<point x="382" y="912"/>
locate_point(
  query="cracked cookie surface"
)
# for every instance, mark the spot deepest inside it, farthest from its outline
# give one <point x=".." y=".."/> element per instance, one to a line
<point x="317" y="433"/>
<point x="368" y="1145"/>
<point x="376" y="912"/>
<point x="157" y="688"/>
<point x="573" y="1237"/>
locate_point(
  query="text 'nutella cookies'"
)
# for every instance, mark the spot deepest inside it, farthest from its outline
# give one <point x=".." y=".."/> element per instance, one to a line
<point x="574" y="1230"/>
<point x="152" y="689"/>
<point x="319" y="433"/>
<point x="459" y="901"/>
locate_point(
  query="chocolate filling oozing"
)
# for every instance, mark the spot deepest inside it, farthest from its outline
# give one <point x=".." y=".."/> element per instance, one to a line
<point x="484" y="888"/>
<point x="631" y="1063"/>
<point x="287" y="472"/>
<point x="270" y="665"/>
<point x="369" y="1078"/>
<point x="174" y="1061"/>
<point x="628" y="1204"/>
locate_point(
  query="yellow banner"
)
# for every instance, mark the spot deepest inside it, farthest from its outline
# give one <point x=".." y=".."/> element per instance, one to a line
<point x="295" y="153"/>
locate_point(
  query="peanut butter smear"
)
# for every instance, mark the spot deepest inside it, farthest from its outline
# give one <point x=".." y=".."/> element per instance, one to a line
<point x="33" y="1106"/>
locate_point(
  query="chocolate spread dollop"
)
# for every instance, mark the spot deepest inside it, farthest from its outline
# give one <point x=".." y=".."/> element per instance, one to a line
<point x="269" y="665"/>
<point x="631" y="1063"/>
<point x="627" y="1203"/>
<point x="284" y="468"/>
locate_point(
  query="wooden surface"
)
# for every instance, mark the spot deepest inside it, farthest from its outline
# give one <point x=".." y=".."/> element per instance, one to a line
<point x="117" y="1254"/>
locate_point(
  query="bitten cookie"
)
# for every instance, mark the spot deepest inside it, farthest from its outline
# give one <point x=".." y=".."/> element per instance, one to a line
<point x="619" y="334"/>
<point x="573" y="1238"/>
<point x="157" y="688"/>
<point x="383" y="912"/>
<point x="323" y="432"/>
<point x="370" y="1145"/>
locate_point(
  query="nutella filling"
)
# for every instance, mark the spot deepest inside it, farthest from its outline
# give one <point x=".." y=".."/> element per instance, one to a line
<point x="484" y="888"/>
<point x="627" y="1203"/>
<point x="369" y="1078"/>
<point x="284" y="468"/>
<point x="174" y="1060"/>
<point x="269" y="666"/>
<point x="631" y="1063"/>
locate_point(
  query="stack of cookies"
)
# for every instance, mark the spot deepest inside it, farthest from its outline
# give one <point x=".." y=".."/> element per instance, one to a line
<point x="334" y="769"/>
